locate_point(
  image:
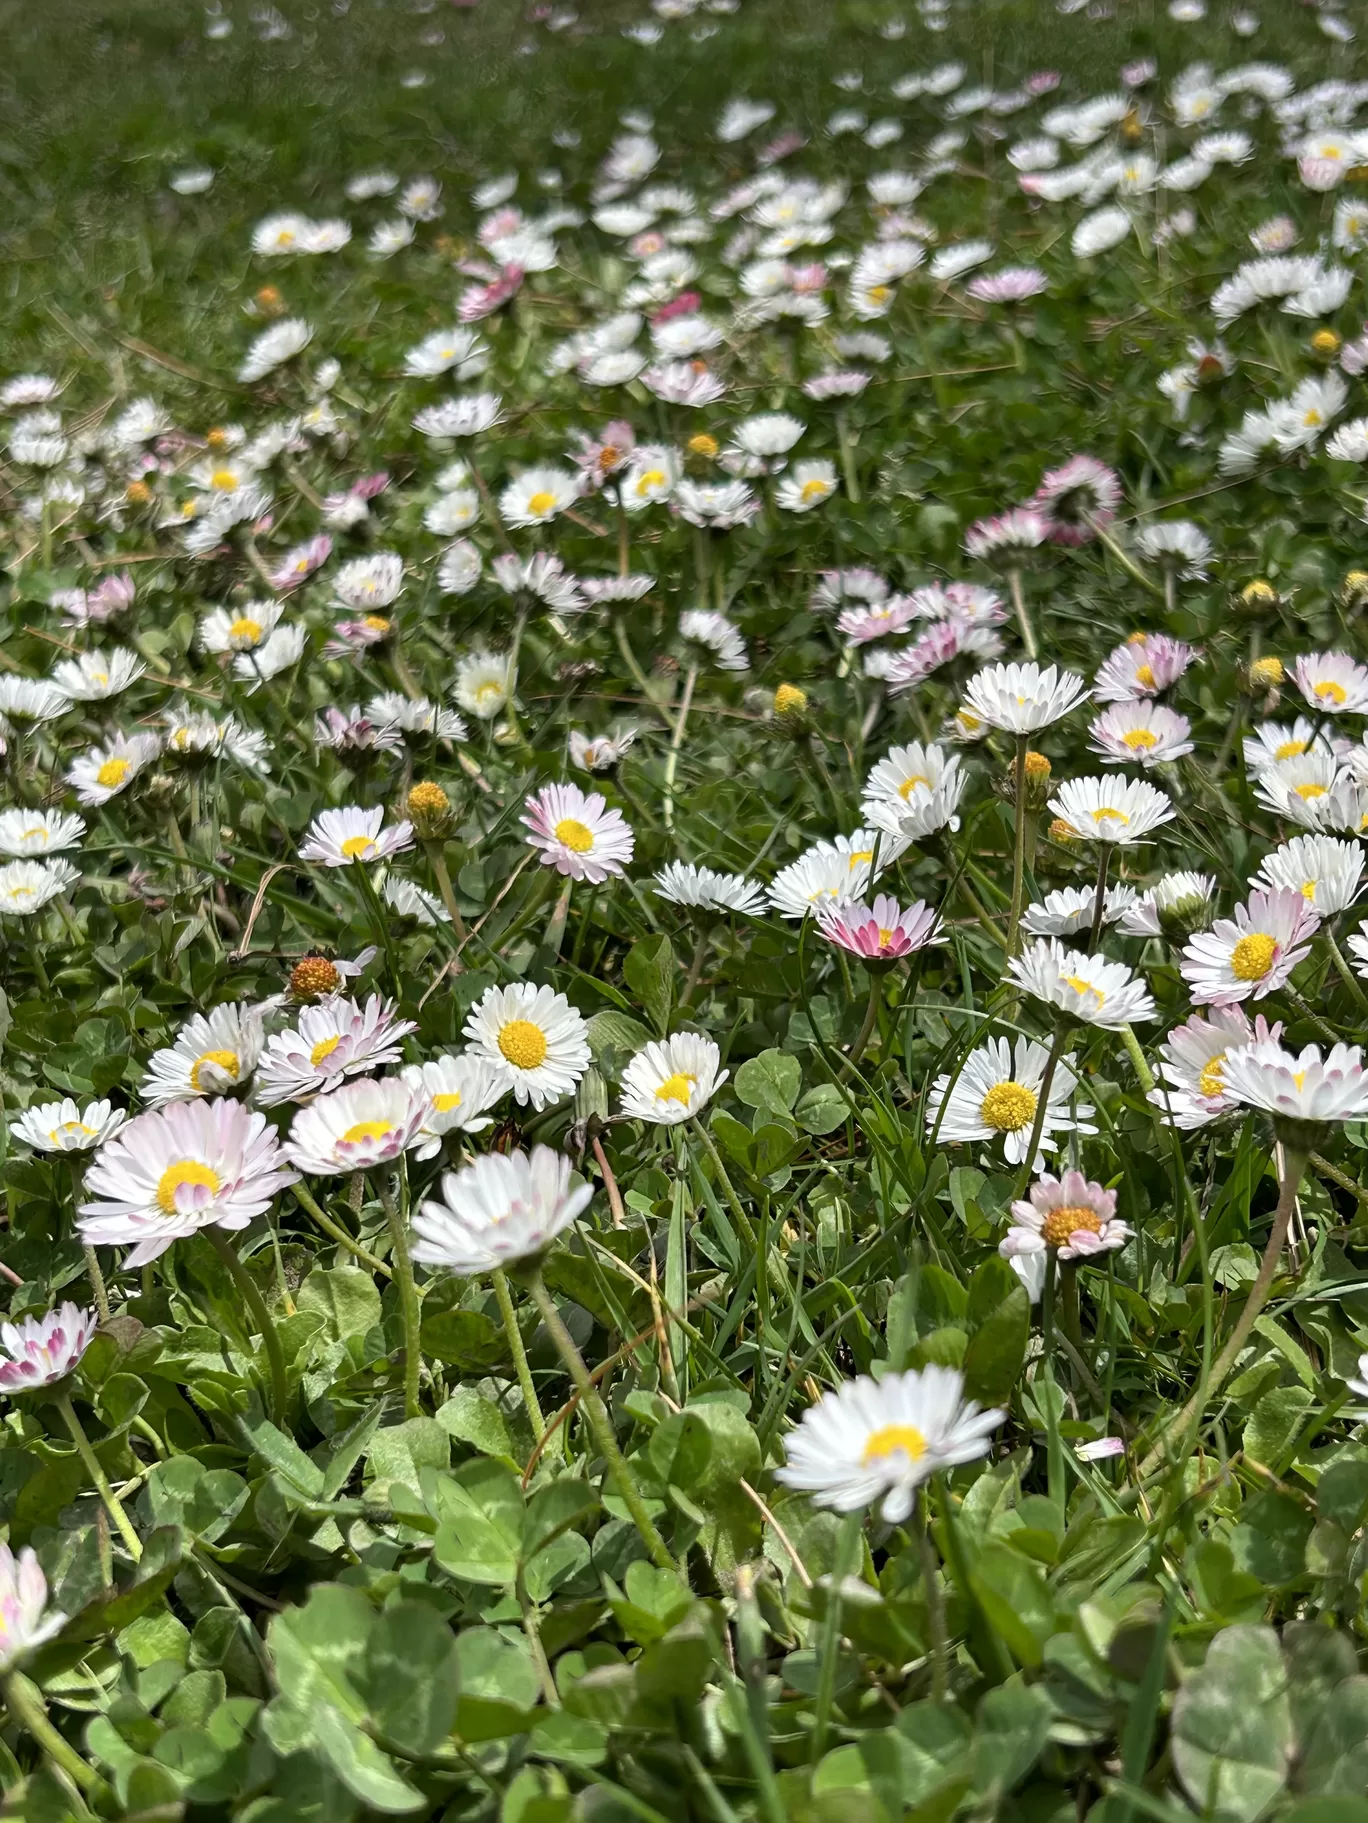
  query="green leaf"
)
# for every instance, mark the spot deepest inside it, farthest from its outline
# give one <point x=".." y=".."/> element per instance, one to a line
<point x="1334" y="1748"/>
<point x="1273" y="1422"/>
<point x="612" y="1032"/>
<point x="650" y="971"/>
<point x="471" y="1418"/>
<point x="347" y="1298"/>
<point x="465" y="1339"/>
<point x="480" y="1535"/>
<point x="319" y="1650"/>
<point x="680" y="1448"/>
<point x="360" y="1764"/>
<point x="298" y="1472"/>
<point x="822" y="1109"/>
<point x="411" y="1676"/>
<point x="1015" y="1600"/>
<point x="1232" y="1726"/>
<point x="400" y="1452"/>
<point x="498" y="1684"/>
<point x="1270" y="1540"/>
<point x="996" y="1352"/>
<point x="769" y="1082"/>
<point x="1010" y="1732"/>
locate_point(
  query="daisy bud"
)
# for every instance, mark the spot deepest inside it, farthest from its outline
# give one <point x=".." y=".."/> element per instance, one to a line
<point x="704" y="446"/>
<point x="1266" y="674"/>
<point x="1354" y="589"/>
<point x="137" y="493"/>
<point x="313" y="976"/>
<point x="1210" y="370"/>
<point x="216" y="437"/>
<point x="591" y="1103"/>
<point x="1133" y="127"/>
<point x="1259" y="597"/>
<point x="1063" y="833"/>
<point x="1325" y="344"/>
<point x="269" y="301"/>
<point x="790" y="709"/>
<point x="429" y="810"/>
<point x="1181" y="917"/>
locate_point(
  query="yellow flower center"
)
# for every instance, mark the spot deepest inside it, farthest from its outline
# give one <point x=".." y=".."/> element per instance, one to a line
<point x="224" y="480"/>
<point x="1252" y="956"/>
<point x="184" y="1171"/>
<point x="885" y="937"/>
<point x="790" y="700"/>
<point x="1008" y="1107"/>
<point x="1060" y="1223"/>
<point x="703" y="445"/>
<point x="815" y="489"/>
<point x="356" y="846"/>
<point x="574" y="835"/>
<point x="541" y="503"/>
<point x="879" y="294"/>
<point x="245" y="628"/>
<point x="226" y="1061"/>
<point x="1312" y="417"/>
<point x="908" y="786"/>
<point x="1144" y="674"/>
<point x="70" y="1129"/>
<point x="324" y="1049"/>
<point x="1267" y="672"/>
<point x="861" y="856"/>
<point x="445" y="1103"/>
<point x="1290" y="750"/>
<point x="489" y="693"/>
<point x="894" y="1440"/>
<point x="678" y="1088"/>
<point x="112" y="774"/>
<point x="653" y="477"/>
<point x="1212" y="1079"/>
<point x="1330" y="692"/>
<point x="21" y="892"/>
<point x="367" y="1129"/>
<point x="1140" y="740"/>
<point x="38" y="829"/>
<point x="1108" y="815"/>
<point x="1080" y="986"/>
<point x="376" y="623"/>
<point x="523" y="1044"/>
<point x="1310" y="791"/>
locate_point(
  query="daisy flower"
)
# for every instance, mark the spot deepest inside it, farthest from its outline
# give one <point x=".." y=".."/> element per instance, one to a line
<point x="94" y="677"/>
<point x="1192" y="1059"/>
<point x="504" y="1208"/>
<point x="1007" y="540"/>
<point x="1299" y="1090"/>
<point x="1113" y="810"/>
<point x="996" y="1096"/>
<point x="1071" y="1215"/>
<point x="64" y="1126"/>
<point x="881" y="934"/>
<point x="361" y="1125"/>
<point x="830" y="873"/>
<point x="1273" y="742"/>
<point x="600" y="753"/>
<point x="484" y="683"/>
<point x="1315" y="791"/>
<point x="1177" y="904"/>
<point x="1145" y="665"/>
<point x="25" y="833"/>
<point x="336" y="838"/>
<point x="1078" y="497"/>
<point x="535" y="1035"/>
<point x="27" y="886"/>
<point x="1019" y="698"/>
<point x="914" y="789"/>
<point x="1332" y="683"/>
<point x="1140" y="733"/>
<point x="807" y="485"/>
<point x="717" y="635"/>
<point x="459" y="1088"/>
<point x="671" y="1079"/>
<point x="175" y="1170"/>
<point x="274" y="347"/>
<point x="334" y="1040"/>
<point x="212" y="1055"/>
<point x="42" y="1350"/>
<point x="538" y="495"/>
<point x="1177" y="545"/>
<point x="1253" y="953"/>
<point x="704" y="889"/>
<point x="577" y="834"/>
<point x="1088" y="988"/>
<point x="370" y="582"/>
<point x="242" y="630"/>
<point x="881" y="1439"/>
<point x="25" y="1621"/>
<point x="1069" y="910"/>
<point x="1327" y="873"/>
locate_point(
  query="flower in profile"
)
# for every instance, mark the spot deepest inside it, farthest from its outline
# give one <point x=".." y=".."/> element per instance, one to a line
<point x="1087" y="988"/>
<point x="1315" y="790"/>
<point x="1253" y="953"/>
<point x="24" y="1619"/>
<point x="1332" y="683"/>
<point x="274" y="347"/>
<point x="336" y="1039"/>
<point x="504" y="1208"/>
<point x="577" y="833"/>
<point x="213" y="1054"/>
<point x="1301" y="1090"/>
<point x="1145" y="665"/>
<point x="600" y="753"/>
<point x="670" y="1079"/>
<point x="535" y="1035"/>
<point x="996" y="1096"/>
<point x="717" y="635"/>
<point x="484" y="683"/>
<point x="1113" y="810"/>
<point x="297" y="565"/>
<point x="465" y="415"/>
<point x="336" y="838"/>
<point x="1078" y="497"/>
<point x="1177" y="545"/>
<point x="1192" y="1085"/>
<point x="95" y="677"/>
<point x="175" y="1170"/>
<point x="1327" y="873"/>
<point x="25" y="833"/>
<point x="27" y="886"/>
<point x="1071" y="1215"/>
<point x="360" y="1125"/>
<point x="64" y="1126"/>
<point x="881" y="1439"/>
<point x="1140" y="733"/>
<point x="881" y="934"/>
<point x="1019" y="698"/>
<point x="42" y="1350"/>
<point x="1009" y="285"/>
<point x="1008" y="540"/>
<point x="538" y="495"/>
<point x="1175" y="906"/>
<point x="704" y="889"/>
<point x="1068" y="910"/>
<point x="460" y="1089"/>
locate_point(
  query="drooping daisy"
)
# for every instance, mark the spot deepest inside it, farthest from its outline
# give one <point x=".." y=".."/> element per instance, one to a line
<point x="361" y="1125"/>
<point x="1174" y="906"/>
<point x="336" y="1039"/>
<point x="1019" y="698"/>
<point x="42" y="1350"/>
<point x="704" y="889"/>
<point x="1305" y="1089"/>
<point x="504" y="1208"/>
<point x="577" y="833"/>
<point x="1332" y="682"/>
<point x="459" y="1088"/>
<point x="718" y="637"/>
<point x="273" y="347"/>
<point x="1140" y="733"/>
<point x="64" y="1126"/>
<point x="535" y="1035"/>
<point x="831" y="873"/>
<point x="1069" y="910"/>
<point x="1177" y="545"/>
<point x="881" y="934"/>
<point x="95" y="677"/>
<point x="881" y="1439"/>
<point x="26" y="833"/>
<point x="1078" y="497"/>
<point x="484" y="683"/>
<point x="27" y="886"/>
<point x="1254" y="952"/>
<point x="212" y="1055"/>
<point x="1070" y="1215"/>
<point x="915" y="789"/>
<point x="996" y="1096"/>
<point x="26" y="1622"/>
<point x="336" y="838"/>
<point x="671" y="1079"/>
<point x="1144" y="666"/>
<point x="538" y="495"/>
<point x="1327" y="873"/>
<point x="174" y="1170"/>
<point x="1192" y="1088"/>
<point x="1088" y="988"/>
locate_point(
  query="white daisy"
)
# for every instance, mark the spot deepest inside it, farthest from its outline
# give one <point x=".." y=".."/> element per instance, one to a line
<point x="333" y="1040"/>
<point x="538" y="495"/>
<point x="25" y="833"/>
<point x="1178" y="904"/>
<point x="484" y="683"/>
<point x="336" y="838"/>
<point x="1276" y="741"/>
<point x="1140" y="733"/>
<point x="577" y="833"/>
<point x="1332" y="682"/>
<point x="1070" y="909"/>
<point x="459" y="1088"/>
<point x="241" y="629"/>
<point x="1253" y="953"/>
<point x="64" y="1126"/>
<point x="914" y="790"/>
<point x="996" y="1096"/>
<point x="831" y="873"/>
<point x="704" y="889"/>
<point x="536" y="1035"/>
<point x="1299" y="1087"/>
<point x="361" y="1125"/>
<point x="669" y="1080"/>
<point x="1019" y="698"/>
<point x="95" y="677"/>
<point x="504" y="1208"/>
<point x="1192" y="1088"/>
<point x="1327" y="873"/>
<point x="1115" y="810"/>
<point x="103" y="772"/>
<point x="212" y="1055"/>
<point x="1088" y="988"/>
<point x="718" y="636"/>
<point x="27" y="886"/>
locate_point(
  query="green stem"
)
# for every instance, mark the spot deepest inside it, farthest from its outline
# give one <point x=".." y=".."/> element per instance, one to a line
<point x="26" y="1707"/>
<point x="743" y="1221"/>
<point x="380" y="926"/>
<point x="695" y="974"/>
<point x="1018" y="847"/>
<point x="597" y="1414"/>
<point x="408" y="1302"/>
<point x="935" y="1601"/>
<point x="828" y="1652"/>
<point x="437" y="861"/>
<point x="336" y="1232"/>
<point x="1027" y="1165"/>
<point x="1028" y="638"/>
<point x="97" y="1283"/>
<point x="871" y="1019"/>
<point x="1137" y="1057"/>
<point x="676" y="742"/>
<point x="113" y="1506"/>
<point x="519" y="1353"/>
<point x="256" y="1304"/>
<point x="1099" y="895"/>
<point x="1346" y="974"/>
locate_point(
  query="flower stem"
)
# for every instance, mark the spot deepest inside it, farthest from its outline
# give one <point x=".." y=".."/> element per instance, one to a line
<point x="599" y="1423"/>
<point x="1028" y="638"/>
<point x="97" y="1283"/>
<point x="1100" y="895"/>
<point x="1346" y="974"/>
<point x="437" y="861"/>
<point x="336" y="1232"/>
<point x="25" y="1705"/>
<point x="519" y="1353"/>
<point x="111" y="1500"/>
<point x="676" y="742"/>
<point x="252" y="1298"/>
<point x="828" y="1652"/>
<point x="1042" y="1108"/>
<point x="935" y="1601"/>
<point x="1138" y="1060"/>
<point x="871" y="1019"/>
<point x="408" y="1302"/>
<point x="1018" y="847"/>
<point x="743" y="1221"/>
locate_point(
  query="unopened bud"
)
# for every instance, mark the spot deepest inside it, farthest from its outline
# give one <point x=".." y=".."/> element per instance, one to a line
<point x="591" y="1101"/>
<point x="269" y="301"/>
<point x="429" y="810"/>
<point x="1063" y="833"/>
<point x="137" y="493"/>
<point x="1354" y="589"/>
<point x="703" y="445"/>
<point x="1325" y="344"/>
<point x="1259" y="597"/>
<point x="313" y="976"/>
<point x="1266" y="674"/>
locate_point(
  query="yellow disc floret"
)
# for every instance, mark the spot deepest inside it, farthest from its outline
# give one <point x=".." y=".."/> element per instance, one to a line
<point x="175" y="1177"/>
<point x="523" y="1044"/>
<point x="1008" y="1107"/>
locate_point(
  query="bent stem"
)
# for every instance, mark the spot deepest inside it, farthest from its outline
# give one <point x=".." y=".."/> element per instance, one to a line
<point x="25" y="1705"/>
<point x="519" y="1353"/>
<point x="599" y="1423"/>
<point x="676" y="742"/>
<point x="252" y="1298"/>
<point x="1018" y="847"/>
<point x="336" y="1232"/>
<point x="695" y="974"/>
<point x="113" y="1506"/>
<point x="1294" y="1164"/>
<point x="1028" y="638"/>
<point x="408" y="1300"/>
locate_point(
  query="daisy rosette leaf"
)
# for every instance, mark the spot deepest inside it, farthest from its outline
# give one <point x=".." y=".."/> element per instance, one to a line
<point x="504" y="1209"/>
<point x="361" y="1125"/>
<point x="577" y="833"/>
<point x="879" y="1440"/>
<point x="535" y="1036"/>
<point x="671" y="1079"/>
<point x="1087" y="988"/>
<point x="175" y="1170"/>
